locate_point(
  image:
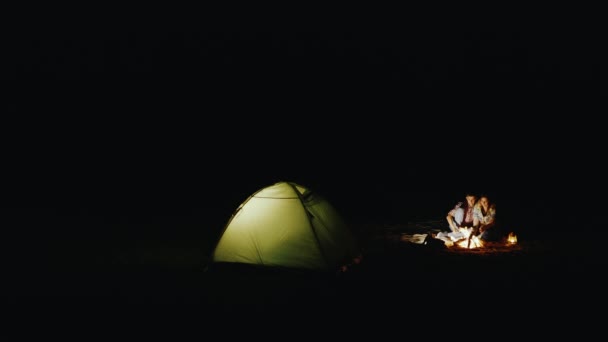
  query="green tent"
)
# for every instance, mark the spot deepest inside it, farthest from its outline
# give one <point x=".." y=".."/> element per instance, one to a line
<point x="287" y="225"/>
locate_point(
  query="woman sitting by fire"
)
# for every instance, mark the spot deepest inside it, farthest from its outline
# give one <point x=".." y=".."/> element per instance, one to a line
<point x="484" y="218"/>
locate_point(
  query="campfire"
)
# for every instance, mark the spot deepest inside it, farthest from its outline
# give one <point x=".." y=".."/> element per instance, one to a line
<point x="464" y="238"/>
<point x="468" y="240"/>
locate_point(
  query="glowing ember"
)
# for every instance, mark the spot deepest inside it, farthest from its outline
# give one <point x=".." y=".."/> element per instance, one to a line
<point x="512" y="239"/>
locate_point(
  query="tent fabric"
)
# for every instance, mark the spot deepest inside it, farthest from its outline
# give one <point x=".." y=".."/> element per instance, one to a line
<point x="287" y="225"/>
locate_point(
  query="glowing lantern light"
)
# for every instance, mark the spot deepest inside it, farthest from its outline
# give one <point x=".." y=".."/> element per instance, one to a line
<point x="512" y="239"/>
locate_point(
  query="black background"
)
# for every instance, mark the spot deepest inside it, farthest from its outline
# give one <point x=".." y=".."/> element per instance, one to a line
<point x="392" y="120"/>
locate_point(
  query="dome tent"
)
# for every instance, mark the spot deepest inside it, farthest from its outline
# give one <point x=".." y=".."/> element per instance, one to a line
<point x="286" y="225"/>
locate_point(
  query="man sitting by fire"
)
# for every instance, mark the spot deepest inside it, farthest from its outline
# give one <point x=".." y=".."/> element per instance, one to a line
<point x="460" y="217"/>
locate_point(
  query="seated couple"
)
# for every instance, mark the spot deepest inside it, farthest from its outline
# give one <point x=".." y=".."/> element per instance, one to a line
<point x="474" y="217"/>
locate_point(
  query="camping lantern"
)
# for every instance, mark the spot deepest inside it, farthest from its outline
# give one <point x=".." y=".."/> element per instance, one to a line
<point x="512" y="239"/>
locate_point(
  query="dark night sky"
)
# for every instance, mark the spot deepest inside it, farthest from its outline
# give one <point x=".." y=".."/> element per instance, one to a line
<point x="171" y="120"/>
